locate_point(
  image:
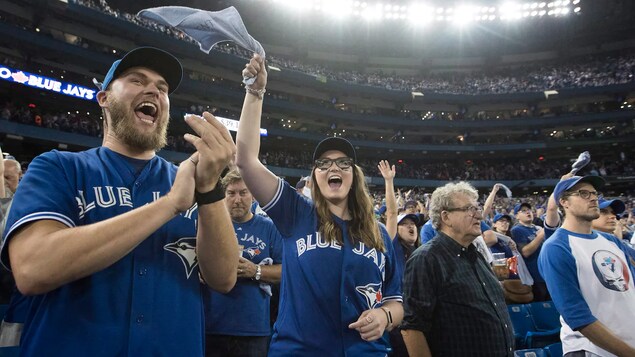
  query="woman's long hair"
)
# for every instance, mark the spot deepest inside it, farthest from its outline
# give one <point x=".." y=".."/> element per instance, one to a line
<point x="363" y="226"/>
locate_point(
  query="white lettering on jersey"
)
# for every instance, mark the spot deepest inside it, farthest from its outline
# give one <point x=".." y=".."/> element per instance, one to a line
<point x="81" y="203"/>
<point x="305" y="244"/>
<point x="377" y="257"/>
<point x="99" y="197"/>
<point x="188" y="213"/>
<point x="124" y="196"/>
<point x="254" y="240"/>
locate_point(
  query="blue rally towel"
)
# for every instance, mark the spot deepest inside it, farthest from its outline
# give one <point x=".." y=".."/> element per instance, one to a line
<point x="208" y="28"/>
<point x="581" y="162"/>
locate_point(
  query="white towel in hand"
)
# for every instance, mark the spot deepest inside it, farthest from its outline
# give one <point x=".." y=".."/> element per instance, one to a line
<point x="264" y="286"/>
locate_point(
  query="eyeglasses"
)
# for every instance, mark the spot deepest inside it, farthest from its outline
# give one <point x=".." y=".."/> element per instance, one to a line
<point x="342" y="162"/>
<point x="470" y="209"/>
<point x="585" y="194"/>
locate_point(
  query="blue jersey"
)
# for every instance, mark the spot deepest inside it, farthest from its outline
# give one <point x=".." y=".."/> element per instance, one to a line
<point x="590" y="278"/>
<point x="523" y="235"/>
<point x="244" y="311"/>
<point x="326" y="286"/>
<point x="147" y="303"/>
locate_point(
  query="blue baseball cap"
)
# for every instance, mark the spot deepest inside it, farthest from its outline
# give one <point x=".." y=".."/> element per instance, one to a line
<point x="413" y="217"/>
<point x="520" y="206"/>
<point x="333" y="143"/>
<point x="617" y="205"/>
<point x="500" y="215"/>
<point x="381" y="210"/>
<point x="596" y="181"/>
<point x="155" y="59"/>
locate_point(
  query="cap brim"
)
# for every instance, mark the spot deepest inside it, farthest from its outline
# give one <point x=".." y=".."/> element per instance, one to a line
<point x="333" y="143"/>
<point x="155" y="59"/>
<point x="413" y="217"/>
<point x="617" y="205"/>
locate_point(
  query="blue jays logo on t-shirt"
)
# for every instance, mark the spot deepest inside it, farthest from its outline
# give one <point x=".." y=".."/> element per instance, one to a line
<point x="185" y="249"/>
<point x="610" y="270"/>
<point x="252" y="252"/>
<point x="372" y="293"/>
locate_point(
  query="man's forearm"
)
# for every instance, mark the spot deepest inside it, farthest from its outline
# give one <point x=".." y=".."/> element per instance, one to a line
<point x="604" y="338"/>
<point x="47" y="254"/>
<point x="416" y="343"/>
<point x="216" y="246"/>
<point x="271" y="273"/>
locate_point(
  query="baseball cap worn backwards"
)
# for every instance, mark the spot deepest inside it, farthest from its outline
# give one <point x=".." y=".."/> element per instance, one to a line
<point x="155" y="59"/>
<point x="596" y="181"/>
<point x="334" y="143"/>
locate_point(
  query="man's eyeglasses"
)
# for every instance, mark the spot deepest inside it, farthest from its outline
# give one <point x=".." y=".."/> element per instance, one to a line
<point x="342" y="162"/>
<point x="585" y="194"/>
<point x="470" y="209"/>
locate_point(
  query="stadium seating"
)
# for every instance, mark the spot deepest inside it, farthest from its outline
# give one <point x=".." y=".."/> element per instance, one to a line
<point x="545" y="316"/>
<point x="525" y="332"/>
<point x="554" y="350"/>
<point x="532" y="352"/>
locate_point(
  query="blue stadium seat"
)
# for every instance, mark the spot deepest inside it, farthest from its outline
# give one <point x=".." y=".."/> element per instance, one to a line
<point x="545" y="315"/>
<point x="525" y="332"/>
<point x="554" y="350"/>
<point x="532" y="352"/>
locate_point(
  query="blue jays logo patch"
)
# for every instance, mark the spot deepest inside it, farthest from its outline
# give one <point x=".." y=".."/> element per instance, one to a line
<point x="372" y="293"/>
<point x="185" y="249"/>
<point x="610" y="270"/>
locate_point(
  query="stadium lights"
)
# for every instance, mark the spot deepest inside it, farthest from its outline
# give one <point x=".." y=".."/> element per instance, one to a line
<point x="422" y="12"/>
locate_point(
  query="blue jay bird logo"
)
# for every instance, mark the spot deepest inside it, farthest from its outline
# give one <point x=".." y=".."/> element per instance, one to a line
<point x="185" y="249"/>
<point x="372" y="293"/>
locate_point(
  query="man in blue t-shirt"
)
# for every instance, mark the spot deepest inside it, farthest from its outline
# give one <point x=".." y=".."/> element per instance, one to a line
<point x="245" y="331"/>
<point x="589" y="276"/>
<point x="529" y="239"/>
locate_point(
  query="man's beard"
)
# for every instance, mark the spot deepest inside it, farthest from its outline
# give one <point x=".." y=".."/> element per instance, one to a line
<point x="590" y="216"/>
<point x="122" y="121"/>
<point x="238" y="213"/>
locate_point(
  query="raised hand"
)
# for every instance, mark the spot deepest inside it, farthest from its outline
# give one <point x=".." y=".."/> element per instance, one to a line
<point x="256" y="68"/>
<point x="214" y="146"/>
<point x="182" y="192"/>
<point x="387" y="171"/>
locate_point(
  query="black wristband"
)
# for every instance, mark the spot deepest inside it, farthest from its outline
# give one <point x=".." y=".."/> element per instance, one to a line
<point x="212" y="196"/>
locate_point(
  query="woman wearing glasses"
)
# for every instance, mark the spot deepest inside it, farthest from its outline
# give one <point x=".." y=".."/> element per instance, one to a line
<point x="340" y="288"/>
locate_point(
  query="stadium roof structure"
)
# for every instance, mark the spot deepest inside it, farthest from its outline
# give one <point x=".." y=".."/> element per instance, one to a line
<point x="424" y="28"/>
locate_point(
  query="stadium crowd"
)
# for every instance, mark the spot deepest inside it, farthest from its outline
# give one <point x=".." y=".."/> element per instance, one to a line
<point x="576" y="73"/>
<point x="81" y="123"/>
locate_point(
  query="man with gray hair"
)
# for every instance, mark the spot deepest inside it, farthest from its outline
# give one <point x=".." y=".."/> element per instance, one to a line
<point x="453" y="303"/>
